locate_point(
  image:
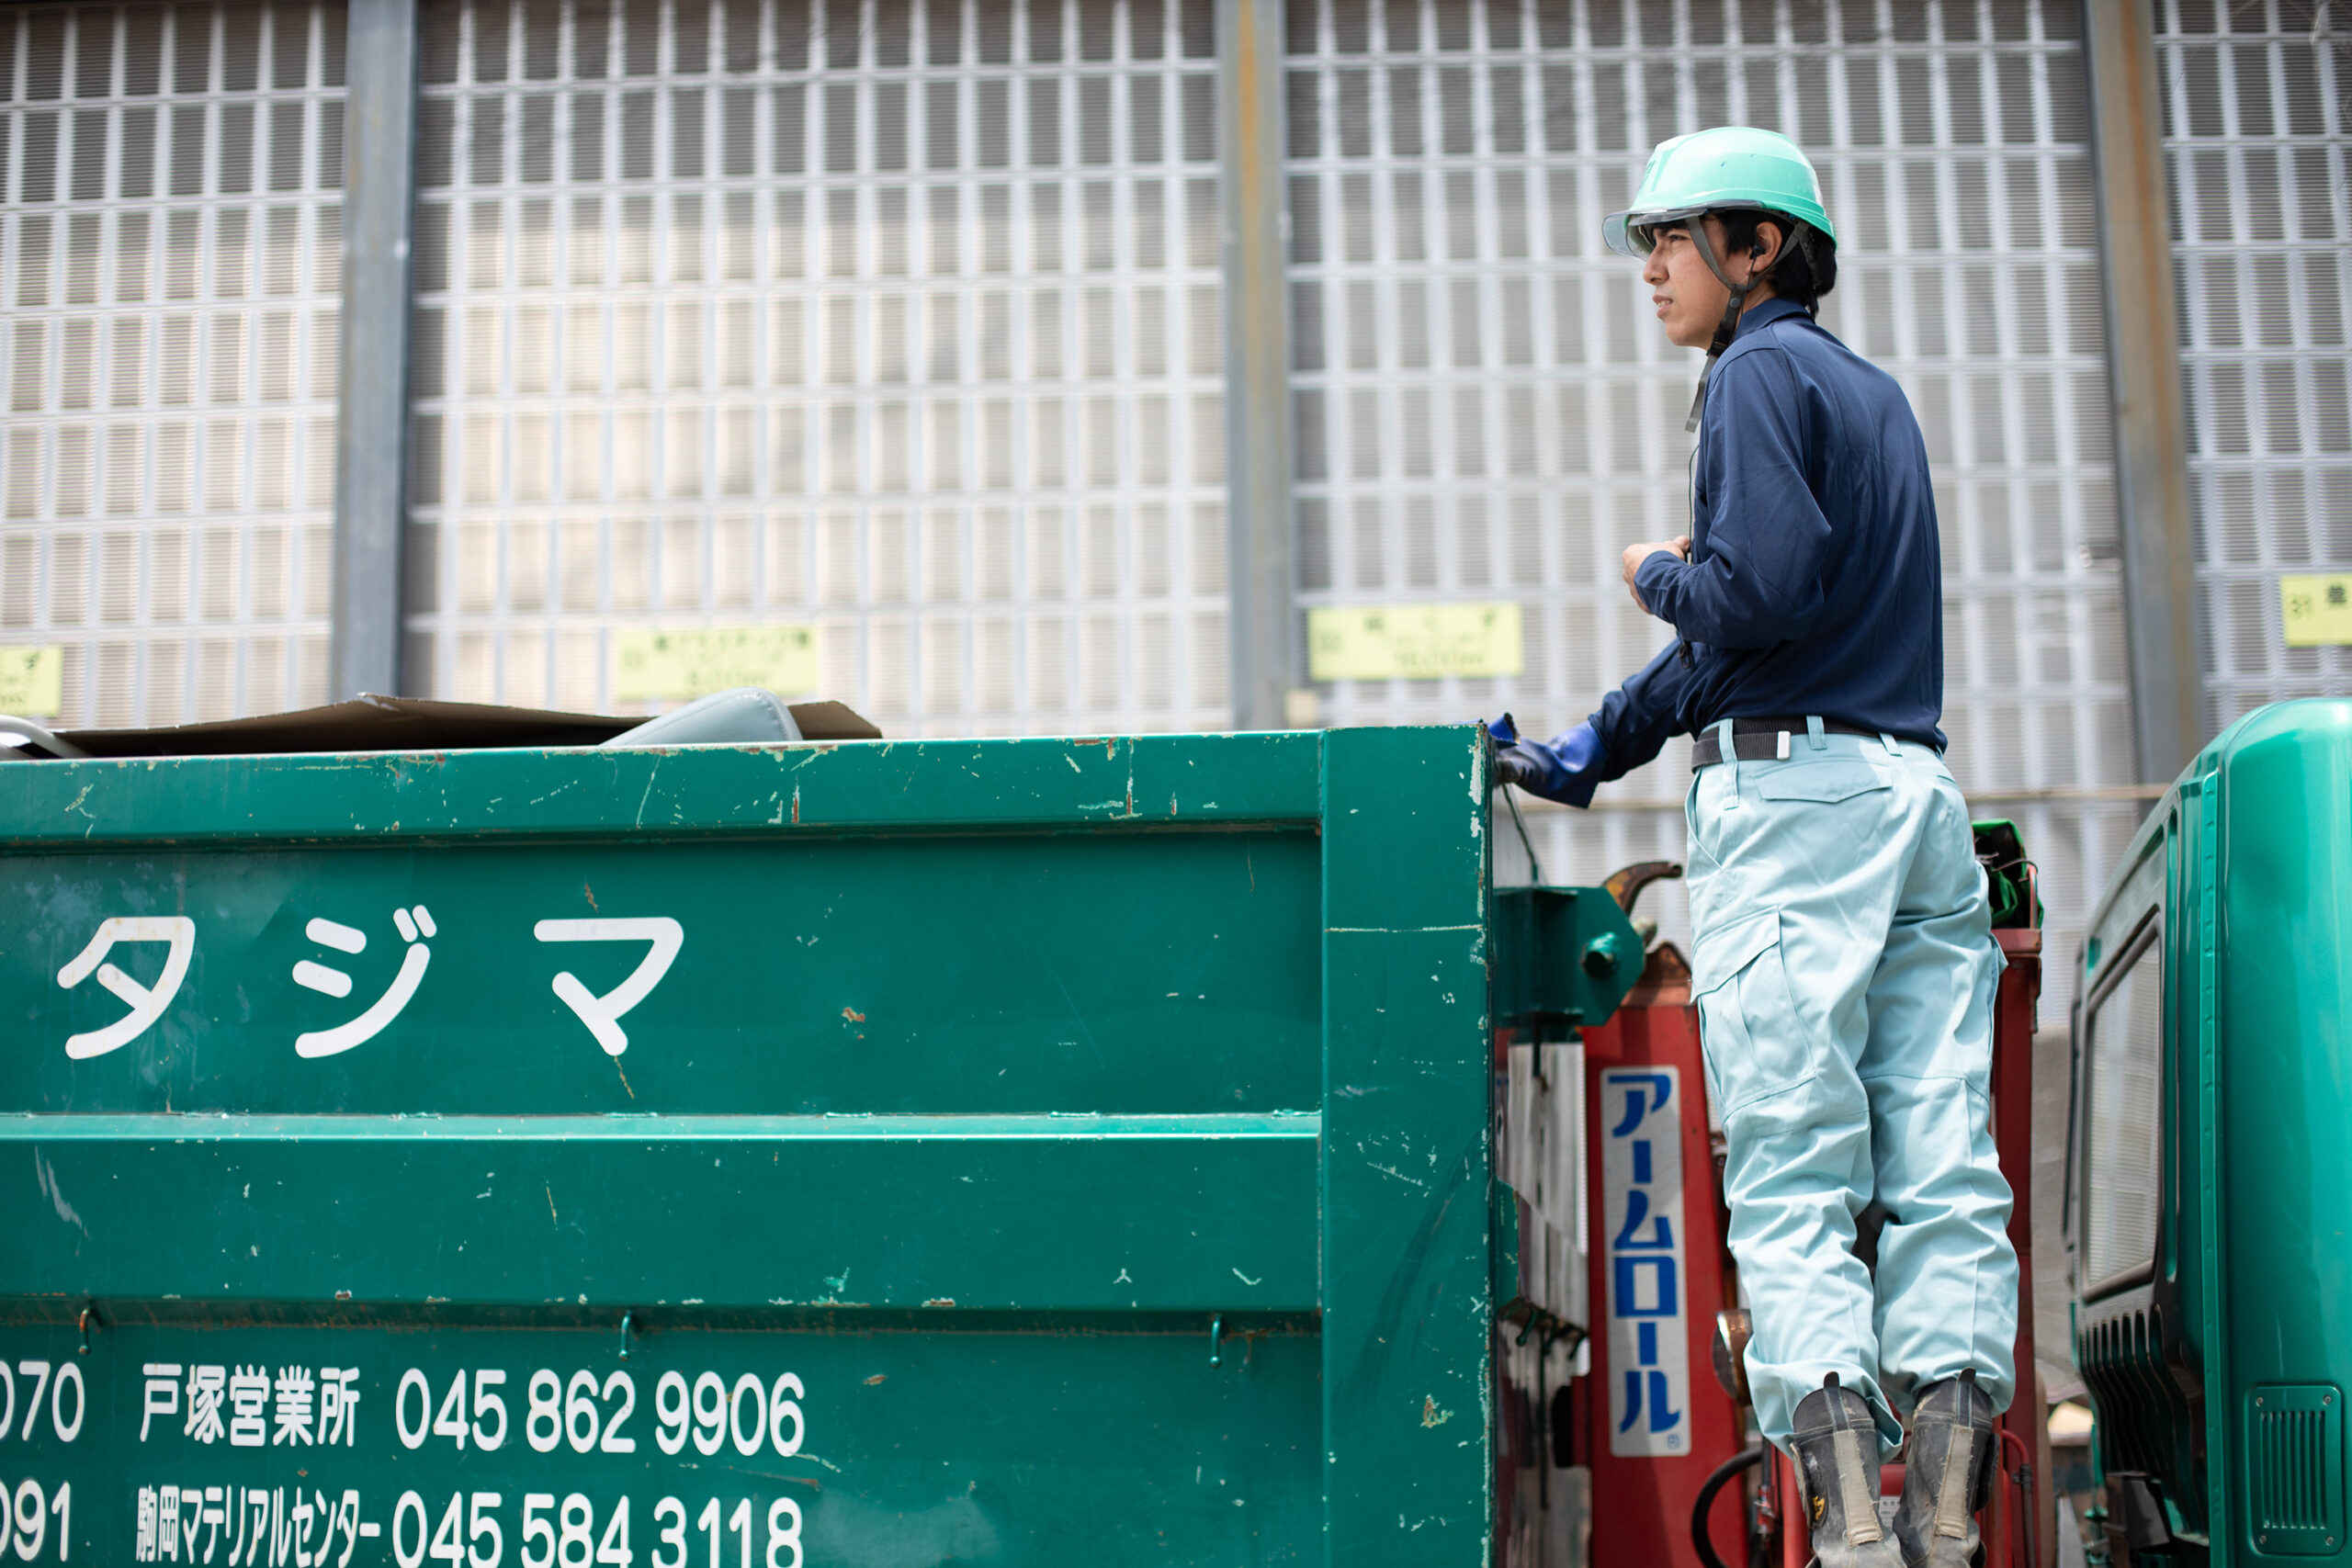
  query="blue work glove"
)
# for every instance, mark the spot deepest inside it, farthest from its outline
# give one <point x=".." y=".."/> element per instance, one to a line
<point x="1567" y="769"/>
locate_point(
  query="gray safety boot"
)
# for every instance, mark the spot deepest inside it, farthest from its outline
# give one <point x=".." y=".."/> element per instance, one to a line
<point x="1947" y="1475"/>
<point x="1837" y="1449"/>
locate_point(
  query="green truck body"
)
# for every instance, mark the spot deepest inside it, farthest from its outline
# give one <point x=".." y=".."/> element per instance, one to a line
<point x="2211" y="1206"/>
<point x="1032" y="1151"/>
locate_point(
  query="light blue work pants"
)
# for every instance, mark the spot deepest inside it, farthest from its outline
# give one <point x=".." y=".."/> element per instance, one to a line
<point x="1844" y="969"/>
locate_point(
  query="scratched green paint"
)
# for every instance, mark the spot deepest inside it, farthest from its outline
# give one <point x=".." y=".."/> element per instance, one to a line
<point x="986" y="1079"/>
<point x="1197" y="1218"/>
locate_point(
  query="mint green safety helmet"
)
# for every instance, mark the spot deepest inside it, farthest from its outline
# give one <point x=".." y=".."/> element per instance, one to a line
<point x="1709" y="171"/>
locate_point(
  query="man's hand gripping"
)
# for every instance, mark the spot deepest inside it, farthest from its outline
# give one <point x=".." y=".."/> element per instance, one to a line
<point x="1678" y="547"/>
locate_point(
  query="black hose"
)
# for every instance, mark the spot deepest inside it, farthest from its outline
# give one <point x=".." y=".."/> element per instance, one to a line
<point x="1720" y="1478"/>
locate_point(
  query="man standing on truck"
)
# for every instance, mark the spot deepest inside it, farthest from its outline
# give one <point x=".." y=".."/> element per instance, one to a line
<point x="1843" y="959"/>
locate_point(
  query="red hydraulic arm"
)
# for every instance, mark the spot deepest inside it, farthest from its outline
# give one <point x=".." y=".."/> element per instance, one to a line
<point x="1644" y="1484"/>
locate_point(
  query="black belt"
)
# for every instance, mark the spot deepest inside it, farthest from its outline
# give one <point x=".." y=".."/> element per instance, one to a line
<point x="1759" y="739"/>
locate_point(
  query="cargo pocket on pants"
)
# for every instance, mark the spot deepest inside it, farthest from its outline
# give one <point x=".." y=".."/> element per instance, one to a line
<point x="1747" y="1019"/>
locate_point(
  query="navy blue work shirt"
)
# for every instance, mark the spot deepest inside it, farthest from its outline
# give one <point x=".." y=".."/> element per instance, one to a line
<point x="1814" y="585"/>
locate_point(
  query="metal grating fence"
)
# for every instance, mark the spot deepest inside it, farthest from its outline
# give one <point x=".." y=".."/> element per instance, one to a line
<point x="1486" y="410"/>
<point x="901" y="319"/>
<point x="2256" y="100"/>
<point x="170" y="254"/>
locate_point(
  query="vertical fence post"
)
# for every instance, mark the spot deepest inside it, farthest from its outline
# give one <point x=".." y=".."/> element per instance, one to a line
<point x="371" y="426"/>
<point x="2144" y="380"/>
<point x="1257" y="361"/>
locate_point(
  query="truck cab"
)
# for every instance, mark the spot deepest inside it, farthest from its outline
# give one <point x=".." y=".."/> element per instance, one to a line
<point x="2209" y="1190"/>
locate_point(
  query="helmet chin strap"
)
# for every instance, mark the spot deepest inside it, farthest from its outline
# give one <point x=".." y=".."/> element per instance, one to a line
<point x="1733" y="306"/>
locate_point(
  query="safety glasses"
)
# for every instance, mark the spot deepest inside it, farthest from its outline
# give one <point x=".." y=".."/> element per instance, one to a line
<point x="1636" y="234"/>
<point x="1633" y="233"/>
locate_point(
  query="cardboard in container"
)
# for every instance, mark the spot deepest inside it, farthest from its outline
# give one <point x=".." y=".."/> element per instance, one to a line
<point x="371" y="723"/>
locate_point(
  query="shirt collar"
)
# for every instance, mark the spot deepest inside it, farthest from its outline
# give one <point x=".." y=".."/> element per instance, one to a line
<point x="1764" y="315"/>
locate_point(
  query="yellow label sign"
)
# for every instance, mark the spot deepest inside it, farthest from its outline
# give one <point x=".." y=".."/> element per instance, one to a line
<point x="32" y="680"/>
<point x="1413" y="642"/>
<point x="2318" y="609"/>
<point x="703" y="659"/>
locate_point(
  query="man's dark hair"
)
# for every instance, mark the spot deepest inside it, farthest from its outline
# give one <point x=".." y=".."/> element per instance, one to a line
<point x="1793" y="277"/>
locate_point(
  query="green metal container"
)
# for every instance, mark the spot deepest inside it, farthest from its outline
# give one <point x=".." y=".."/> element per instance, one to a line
<point x="1038" y="1152"/>
<point x="2211" y="1206"/>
